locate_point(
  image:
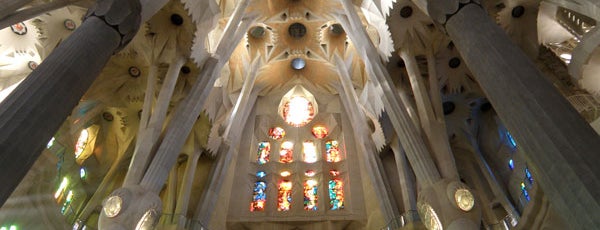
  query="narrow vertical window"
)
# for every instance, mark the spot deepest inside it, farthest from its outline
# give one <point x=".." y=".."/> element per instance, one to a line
<point x="259" y="195"/>
<point x="309" y="151"/>
<point x="82" y="142"/>
<point x="336" y="194"/>
<point x="528" y="176"/>
<point x="336" y="191"/>
<point x="332" y="151"/>
<point x="511" y="140"/>
<point x="264" y="150"/>
<point x="310" y="195"/>
<point x="284" y="197"/>
<point x="67" y="204"/>
<point x="286" y="153"/>
<point x="524" y="192"/>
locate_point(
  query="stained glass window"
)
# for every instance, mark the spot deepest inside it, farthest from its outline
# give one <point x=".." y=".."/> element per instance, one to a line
<point x="264" y="150"/>
<point x="336" y="194"/>
<point x="511" y="140"/>
<point x="61" y="188"/>
<point x="528" y="176"/>
<point x="259" y="197"/>
<point x="334" y="173"/>
<point x="298" y="111"/>
<point x="82" y="173"/>
<point x="285" y="173"/>
<point x="320" y="131"/>
<point x="309" y="151"/>
<point x="67" y="202"/>
<point x="310" y="195"/>
<point x="277" y="133"/>
<point x="332" y="151"/>
<point x="286" y="153"/>
<point x="50" y="143"/>
<point x="511" y="164"/>
<point x="82" y="141"/>
<point x="261" y="174"/>
<point x="284" y="197"/>
<point x="524" y="191"/>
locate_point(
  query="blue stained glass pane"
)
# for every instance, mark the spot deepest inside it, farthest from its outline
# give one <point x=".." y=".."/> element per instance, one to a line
<point x="526" y="195"/>
<point x="511" y="164"/>
<point x="261" y="174"/>
<point x="511" y="140"/>
<point x="336" y="194"/>
<point x="528" y="176"/>
<point x="259" y="197"/>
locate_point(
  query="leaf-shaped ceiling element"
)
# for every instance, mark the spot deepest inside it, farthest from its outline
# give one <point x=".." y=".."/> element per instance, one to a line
<point x="55" y="26"/>
<point x="517" y="19"/>
<point x="172" y="30"/>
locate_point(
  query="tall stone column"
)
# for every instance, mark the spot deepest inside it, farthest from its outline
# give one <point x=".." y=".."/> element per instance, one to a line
<point x="30" y="116"/>
<point x="561" y="148"/>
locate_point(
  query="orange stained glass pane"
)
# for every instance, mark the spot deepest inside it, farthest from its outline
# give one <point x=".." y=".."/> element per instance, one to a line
<point x="320" y="131"/>
<point x="276" y="133"/>
<point x="284" y="197"/>
<point x="298" y="111"/>
<point x="286" y="153"/>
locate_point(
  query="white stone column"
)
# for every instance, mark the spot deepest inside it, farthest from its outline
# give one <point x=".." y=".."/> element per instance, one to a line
<point x="229" y="148"/>
<point x="416" y="150"/>
<point x="38" y="106"/>
<point x="189" y="109"/>
<point x="558" y="144"/>
<point x="171" y="197"/>
<point x="185" y="190"/>
<point x="432" y="123"/>
<point x="367" y="148"/>
<point x="149" y="133"/>
<point x="408" y="188"/>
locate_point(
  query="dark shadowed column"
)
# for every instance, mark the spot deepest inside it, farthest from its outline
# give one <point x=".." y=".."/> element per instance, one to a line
<point x="30" y="116"/>
<point x="559" y="145"/>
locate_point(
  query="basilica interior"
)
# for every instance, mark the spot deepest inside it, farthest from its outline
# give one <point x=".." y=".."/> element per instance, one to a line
<point x="299" y="114"/>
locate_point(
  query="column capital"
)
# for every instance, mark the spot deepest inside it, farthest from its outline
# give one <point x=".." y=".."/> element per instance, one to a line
<point x="442" y="11"/>
<point x="122" y="15"/>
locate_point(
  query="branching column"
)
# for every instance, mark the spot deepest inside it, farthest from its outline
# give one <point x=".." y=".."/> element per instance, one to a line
<point x="433" y="123"/>
<point x="190" y="108"/>
<point x="367" y="148"/>
<point x="229" y="148"/>
<point x="38" y="106"/>
<point x="416" y="150"/>
<point x="558" y="144"/>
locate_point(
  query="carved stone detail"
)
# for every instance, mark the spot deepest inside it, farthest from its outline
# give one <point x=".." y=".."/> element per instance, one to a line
<point x="442" y="11"/>
<point x="123" y="15"/>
